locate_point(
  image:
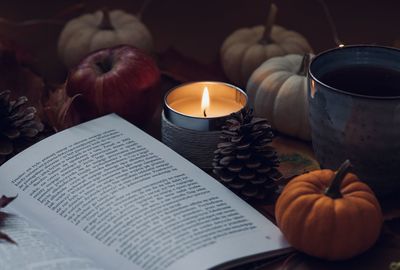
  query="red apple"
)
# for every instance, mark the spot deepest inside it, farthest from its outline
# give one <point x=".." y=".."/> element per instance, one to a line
<point x="123" y="79"/>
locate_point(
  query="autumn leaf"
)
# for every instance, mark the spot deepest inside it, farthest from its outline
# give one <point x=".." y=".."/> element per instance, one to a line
<point x="58" y="110"/>
<point x="4" y="201"/>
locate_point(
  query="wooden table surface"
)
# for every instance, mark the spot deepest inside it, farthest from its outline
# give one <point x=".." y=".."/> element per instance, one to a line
<point x="196" y="29"/>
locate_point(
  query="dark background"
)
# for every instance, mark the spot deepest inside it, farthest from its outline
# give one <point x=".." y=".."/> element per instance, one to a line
<point x="197" y="28"/>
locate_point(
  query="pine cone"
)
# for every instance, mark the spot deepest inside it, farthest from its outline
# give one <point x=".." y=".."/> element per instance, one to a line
<point x="243" y="161"/>
<point x="18" y="125"/>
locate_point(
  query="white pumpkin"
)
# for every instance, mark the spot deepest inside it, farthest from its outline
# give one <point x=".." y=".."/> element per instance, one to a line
<point x="246" y="48"/>
<point x="277" y="90"/>
<point x="101" y="29"/>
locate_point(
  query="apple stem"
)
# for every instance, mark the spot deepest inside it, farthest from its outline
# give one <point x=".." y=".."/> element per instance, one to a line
<point x="105" y="23"/>
<point x="266" y="37"/>
<point x="105" y="65"/>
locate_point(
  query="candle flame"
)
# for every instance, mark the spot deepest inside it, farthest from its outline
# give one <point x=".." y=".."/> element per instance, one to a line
<point x="341" y="45"/>
<point x="205" y="101"/>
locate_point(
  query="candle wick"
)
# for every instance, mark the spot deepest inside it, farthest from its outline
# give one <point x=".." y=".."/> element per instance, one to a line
<point x="204" y="112"/>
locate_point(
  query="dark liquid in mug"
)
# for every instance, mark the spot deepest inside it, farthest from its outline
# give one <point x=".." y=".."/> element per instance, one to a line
<point x="364" y="80"/>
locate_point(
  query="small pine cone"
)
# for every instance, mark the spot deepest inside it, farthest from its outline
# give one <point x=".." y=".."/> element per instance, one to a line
<point x="18" y="125"/>
<point x="244" y="161"/>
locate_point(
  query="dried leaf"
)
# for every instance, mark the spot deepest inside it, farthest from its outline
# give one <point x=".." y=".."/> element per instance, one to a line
<point x="58" y="110"/>
<point x="296" y="157"/>
<point x="4" y="201"/>
<point x="5" y="237"/>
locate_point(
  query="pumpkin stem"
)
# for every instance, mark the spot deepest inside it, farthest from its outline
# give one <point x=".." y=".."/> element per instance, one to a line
<point x="266" y="37"/>
<point x="105" y="23"/>
<point x="305" y="63"/>
<point x="333" y="190"/>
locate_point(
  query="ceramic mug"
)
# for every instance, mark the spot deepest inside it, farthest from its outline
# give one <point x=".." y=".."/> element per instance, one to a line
<point x="350" y="123"/>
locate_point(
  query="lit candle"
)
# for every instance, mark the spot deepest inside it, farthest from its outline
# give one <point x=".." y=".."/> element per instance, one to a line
<point x="205" y="102"/>
<point x="203" y="106"/>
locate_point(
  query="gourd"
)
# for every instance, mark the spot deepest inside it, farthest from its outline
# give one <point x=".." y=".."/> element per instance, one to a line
<point x="277" y="90"/>
<point x="329" y="215"/>
<point x="101" y="29"/>
<point x="246" y="48"/>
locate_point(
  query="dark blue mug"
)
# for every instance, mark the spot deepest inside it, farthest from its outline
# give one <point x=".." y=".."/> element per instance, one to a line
<point x="354" y="99"/>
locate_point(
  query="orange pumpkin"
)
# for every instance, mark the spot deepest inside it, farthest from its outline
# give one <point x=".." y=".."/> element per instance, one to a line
<point x="330" y="215"/>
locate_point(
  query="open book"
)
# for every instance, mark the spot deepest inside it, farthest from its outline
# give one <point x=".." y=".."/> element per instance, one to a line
<point x="105" y="195"/>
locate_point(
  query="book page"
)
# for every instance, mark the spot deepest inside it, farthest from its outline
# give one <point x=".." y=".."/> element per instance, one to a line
<point x="122" y="198"/>
<point x="36" y="249"/>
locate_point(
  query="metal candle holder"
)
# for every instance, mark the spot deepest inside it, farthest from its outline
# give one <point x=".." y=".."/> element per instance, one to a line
<point x="196" y="137"/>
